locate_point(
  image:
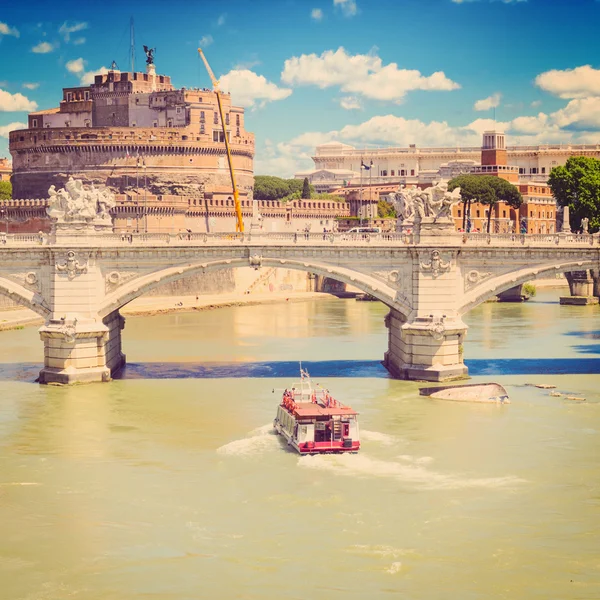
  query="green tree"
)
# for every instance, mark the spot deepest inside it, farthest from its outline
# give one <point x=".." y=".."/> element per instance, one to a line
<point x="577" y="185"/>
<point x="487" y="190"/>
<point x="267" y="187"/>
<point x="306" y="189"/>
<point x="385" y="209"/>
<point x="5" y="190"/>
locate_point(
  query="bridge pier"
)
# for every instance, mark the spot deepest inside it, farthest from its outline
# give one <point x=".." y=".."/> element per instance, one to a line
<point x="82" y="350"/>
<point x="427" y="349"/>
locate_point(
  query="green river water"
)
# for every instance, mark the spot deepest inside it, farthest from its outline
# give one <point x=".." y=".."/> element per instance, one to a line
<point x="169" y="484"/>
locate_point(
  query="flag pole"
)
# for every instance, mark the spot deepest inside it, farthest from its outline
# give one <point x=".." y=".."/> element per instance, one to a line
<point x="370" y="189"/>
<point x="360" y="194"/>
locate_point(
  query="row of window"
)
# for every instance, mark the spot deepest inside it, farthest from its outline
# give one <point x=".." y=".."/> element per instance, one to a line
<point x="401" y="173"/>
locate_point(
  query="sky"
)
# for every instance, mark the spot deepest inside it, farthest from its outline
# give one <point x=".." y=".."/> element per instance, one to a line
<point x="370" y="73"/>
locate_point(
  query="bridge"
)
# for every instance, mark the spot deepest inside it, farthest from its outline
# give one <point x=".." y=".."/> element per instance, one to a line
<point x="79" y="279"/>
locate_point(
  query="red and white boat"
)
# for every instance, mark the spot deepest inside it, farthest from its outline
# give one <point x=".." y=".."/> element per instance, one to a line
<point x="314" y="422"/>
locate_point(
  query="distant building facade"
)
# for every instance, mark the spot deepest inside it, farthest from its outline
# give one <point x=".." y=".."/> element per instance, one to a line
<point x="414" y="165"/>
<point x="5" y="169"/>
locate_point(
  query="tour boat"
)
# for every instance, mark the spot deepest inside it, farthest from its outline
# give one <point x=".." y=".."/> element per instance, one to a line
<point x="314" y="422"/>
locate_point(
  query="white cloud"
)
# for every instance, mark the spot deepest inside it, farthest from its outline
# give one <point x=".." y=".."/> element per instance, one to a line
<point x="43" y="48"/>
<point x="87" y="78"/>
<point x="79" y="41"/>
<point x="490" y="102"/>
<point x="6" y="129"/>
<point x="249" y="89"/>
<point x="571" y="83"/>
<point x="579" y="115"/>
<point x="529" y="125"/>
<point x="76" y="66"/>
<point x="316" y="14"/>
<point x="286" y="158"/>
<point x="205" y="40"/>
<point x="362" y="74"/>
<point x="348" y="7"/>
<point x="221" y="20"/>
<point x="6" y="30"/>
<point x="350" y="103"/>
<point x="67" y="29"/>
<point x="536" y="103"/>
<point x="15" y="102"/>
<point x="31" y="86"/>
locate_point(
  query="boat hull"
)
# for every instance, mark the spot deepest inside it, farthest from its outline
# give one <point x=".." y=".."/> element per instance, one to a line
<point x="487" y="393"/>
<point x="333" y="447"/>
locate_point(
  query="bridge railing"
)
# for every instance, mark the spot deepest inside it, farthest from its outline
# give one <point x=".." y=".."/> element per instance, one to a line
<point x="304" y="239"/>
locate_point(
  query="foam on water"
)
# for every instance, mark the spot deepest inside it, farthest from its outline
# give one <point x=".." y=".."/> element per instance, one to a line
<point x="260" y="440"/>
<point x="376" y="436"/>
<point x="360" y="465"/>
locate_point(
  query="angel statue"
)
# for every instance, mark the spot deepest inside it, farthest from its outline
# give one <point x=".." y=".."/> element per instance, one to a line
<point x="149" y="55"/>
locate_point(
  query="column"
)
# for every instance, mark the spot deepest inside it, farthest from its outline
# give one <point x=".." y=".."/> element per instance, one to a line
<point x="79" y="345"/>
<point x="427" y="349"/>
<point x="428" y="344"/>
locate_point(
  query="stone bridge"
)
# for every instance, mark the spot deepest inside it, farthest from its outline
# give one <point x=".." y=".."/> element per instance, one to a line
<point x="79" y="282"/>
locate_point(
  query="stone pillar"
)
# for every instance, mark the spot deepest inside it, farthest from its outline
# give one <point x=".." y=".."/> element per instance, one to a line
<point x="428" y="344"/>
<point x="79" y="346"/>
<point x="427" y="349"/>
<point x="582" y="287"/>
<point x="82" y="351"/>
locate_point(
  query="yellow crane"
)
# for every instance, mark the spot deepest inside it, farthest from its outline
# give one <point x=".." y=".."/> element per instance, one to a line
<point x="239" y="224"/>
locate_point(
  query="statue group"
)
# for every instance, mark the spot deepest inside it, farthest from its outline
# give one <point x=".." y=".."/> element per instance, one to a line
<point x="74" y="203"/>
<point x="413" y="205"/>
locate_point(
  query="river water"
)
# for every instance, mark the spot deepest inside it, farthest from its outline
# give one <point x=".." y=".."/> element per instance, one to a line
<point x="169" y="484"/>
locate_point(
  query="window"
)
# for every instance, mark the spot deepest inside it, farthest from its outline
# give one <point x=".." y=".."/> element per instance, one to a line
<point x="521" y="171"/>
<point x="178" y="110"/>
<point x="87" y="123"/>
<point x="459" y="213"/>
<point x="478" y="214"/>
<point x="201" y="116"/>
<point x="543" y="170"/>
<point x="393" y="172"/>
<point x="69" y="96"/>
<point x="237" y="120"/>
<point x="504" y="213"/>
<point x="227" y="119"/>
<point x="216" y="118"/>
<point x="154" y="123"/>
<point x="402" y="172"/>
<point x="34" y="123"/>
<point x="237" y="132"/>
<point x="86" y="95"/>
<point x="218" y="136"/>
<point x="533" y="170"/>
<point x="170" y="123"/>
<point x="412" y="172"/>
<point x="202" y="128"/>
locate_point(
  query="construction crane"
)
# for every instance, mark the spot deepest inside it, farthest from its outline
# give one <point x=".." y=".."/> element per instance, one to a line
<point x="239" y="224"/>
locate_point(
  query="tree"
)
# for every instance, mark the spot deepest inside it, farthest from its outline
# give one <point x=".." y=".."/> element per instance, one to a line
<point x="385" y="209"/>
<point x="267" y="187"/>
<point x="487" y="190"/>
<point x="306" y="189"/>
<point x="577" y="185"/>
<point x="5" y="190"/>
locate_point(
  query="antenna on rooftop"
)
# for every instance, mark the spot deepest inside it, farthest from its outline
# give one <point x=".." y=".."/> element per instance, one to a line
<point x="132" y="44"/>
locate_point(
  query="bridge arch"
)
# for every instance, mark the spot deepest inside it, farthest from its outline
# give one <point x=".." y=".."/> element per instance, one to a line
<point x="145" y="283"/>
<point x="496" y="285"/>
<point x="23" y="296"/>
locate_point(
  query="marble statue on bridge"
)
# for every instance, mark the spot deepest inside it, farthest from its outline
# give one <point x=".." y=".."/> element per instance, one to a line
<point x="414" y="205"/>
<point x="75" y="204"/>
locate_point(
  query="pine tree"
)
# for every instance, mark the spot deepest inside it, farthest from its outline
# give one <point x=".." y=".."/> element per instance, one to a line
<point x="306" y="189"/>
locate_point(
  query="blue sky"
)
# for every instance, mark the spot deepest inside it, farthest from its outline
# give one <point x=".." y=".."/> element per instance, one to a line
<point x="365" y="72"/>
